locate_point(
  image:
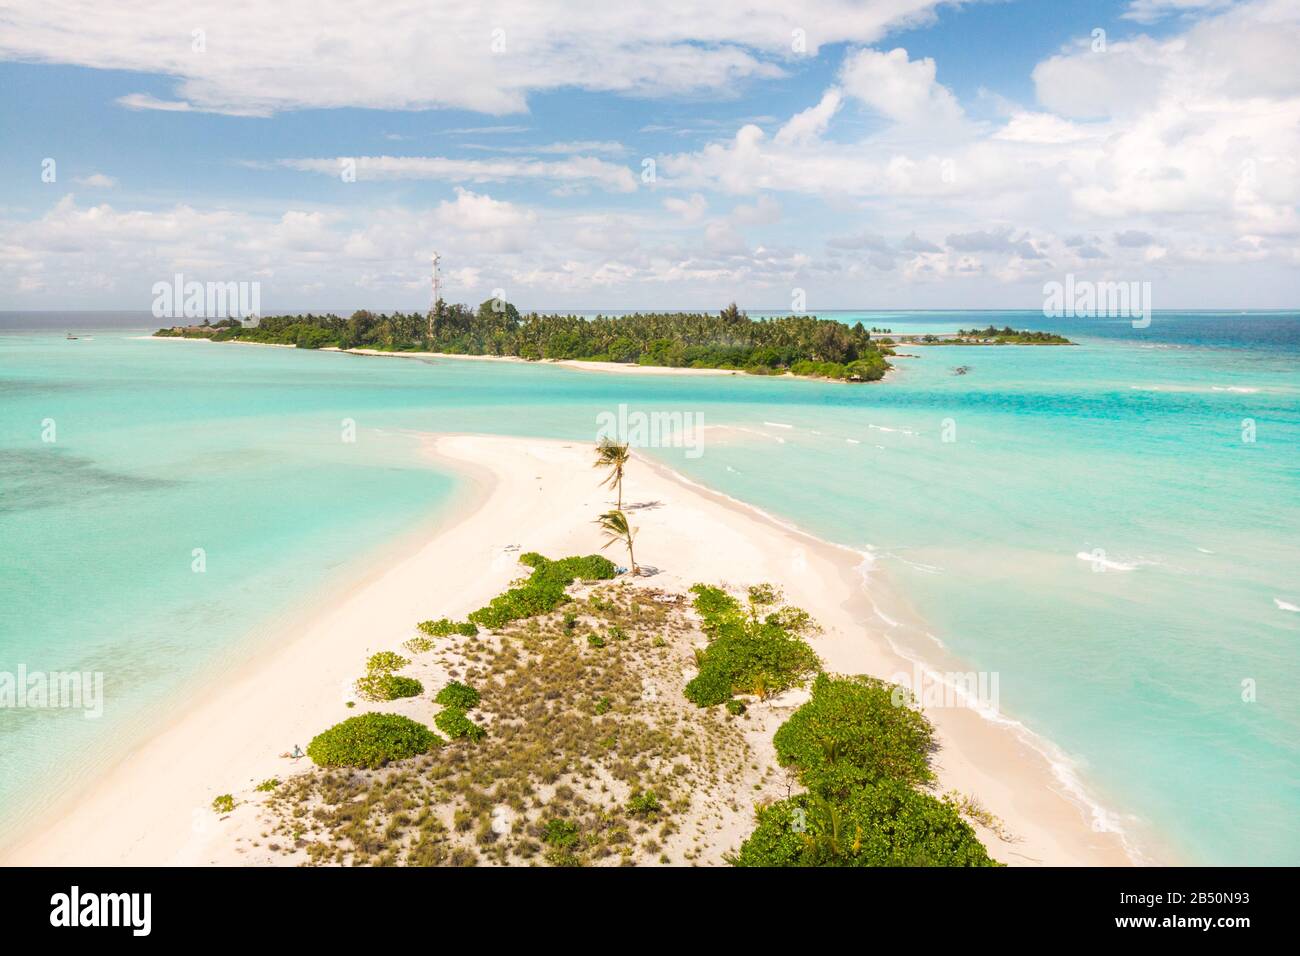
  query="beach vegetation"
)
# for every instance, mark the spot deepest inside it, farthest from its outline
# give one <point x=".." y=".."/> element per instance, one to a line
<point x="544" y="590"/>
<point x="444" y="627"/>
<point x="884" y="824"/>
<point x="851" y="733"/>
<point x="380" y="683"/>
<point x="371" y="741"/>
<point x="224" y="803"/>
<point x="456" y="694"/>
<point x="747" y="653"/>
<point x="453" y="722"/>
<point x="267" y="785"/>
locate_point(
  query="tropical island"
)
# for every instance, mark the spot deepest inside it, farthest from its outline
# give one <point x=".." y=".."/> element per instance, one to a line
<point x="568" y="730"/>
<point x="730" y="340"/>
<point x="986" y="336"/>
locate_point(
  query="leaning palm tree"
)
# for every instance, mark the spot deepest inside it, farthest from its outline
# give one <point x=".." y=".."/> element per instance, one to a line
<point x="610" y="454"/>
<point x="614" y="525"/>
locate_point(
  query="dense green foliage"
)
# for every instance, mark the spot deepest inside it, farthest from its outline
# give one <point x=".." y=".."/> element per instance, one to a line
<point x="747" y="653"/>
<point x="453" y="722"/>
<point x="225" y="803"/>
<point x="884" y="824"/>
<point x="544" y="589"/>
<point x="851" y="733"/>
<point x="728" y="340"/>
<point x="445" y="626"/>
<point x="370" y="741"/>
<point x="459" y="695"/>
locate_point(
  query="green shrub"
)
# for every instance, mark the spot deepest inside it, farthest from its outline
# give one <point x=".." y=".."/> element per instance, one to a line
<point x="371" y="740"/>
<point x="267" y="785"/>
<point x="718" y="610"/>
<point x="602" y="706"/>
<point x="459" y="695"/>
<point x="453" y="722"/>
<point x="735" y="707"/>
<point x="643" y="804"/>
<point x="418" y="645"/>
<point x="381" y="686"/>
<point x="595" y="640"/>
<point x="544" y="589"/>
<point x="850" y="733"/>
<point x="224" y="803"/>
<point x="560" y="833"/>
<point x="886" y="824"/>
<point x="385" y="662"/>
<point x="444" y="627"/>
<point x="760" y="660"/>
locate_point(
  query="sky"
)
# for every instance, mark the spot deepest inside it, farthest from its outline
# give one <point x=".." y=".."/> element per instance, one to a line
<point x="878" y="154"/>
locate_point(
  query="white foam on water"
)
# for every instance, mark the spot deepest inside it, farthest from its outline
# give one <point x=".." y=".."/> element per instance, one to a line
<point x="1285" y="605"/>
<point x="1064" y="767"/>
<point x="853" y="441"/>
<point x="778" y="424"/>
<point x="1107" y="564"/>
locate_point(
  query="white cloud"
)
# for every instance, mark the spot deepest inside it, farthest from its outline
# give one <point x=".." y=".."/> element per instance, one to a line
<point x="260" y="58"/>
<point x="583" y="169"/>
<point x="807" y="127"/>
<point x="97" y="181"/>
<point x="902" y="89"/>
<point x="690" y="210"/>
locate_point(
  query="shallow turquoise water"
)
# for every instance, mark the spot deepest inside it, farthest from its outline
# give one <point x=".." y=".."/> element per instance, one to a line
<point x="1130" y="443"/>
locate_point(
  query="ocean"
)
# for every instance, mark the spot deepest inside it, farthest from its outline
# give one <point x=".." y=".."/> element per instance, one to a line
<point x="1110" y="528"/>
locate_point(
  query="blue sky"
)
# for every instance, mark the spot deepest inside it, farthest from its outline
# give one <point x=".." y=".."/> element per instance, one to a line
<point x="951" y="156"/>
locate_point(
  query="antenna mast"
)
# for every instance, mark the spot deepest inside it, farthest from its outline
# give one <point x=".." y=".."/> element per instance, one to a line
<point x="433" y="306"/>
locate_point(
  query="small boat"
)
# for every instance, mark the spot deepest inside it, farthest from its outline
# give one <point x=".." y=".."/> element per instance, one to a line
<point x="70" y="337"/>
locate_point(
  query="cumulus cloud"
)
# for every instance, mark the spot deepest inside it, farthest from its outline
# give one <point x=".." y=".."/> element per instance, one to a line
<point x="486" y="56"/>
<point x="807" y="127"/>
<point x="902" y="89"/>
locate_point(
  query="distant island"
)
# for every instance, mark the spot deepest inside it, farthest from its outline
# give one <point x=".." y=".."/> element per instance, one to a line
<point x="986" y="336"/>
<point x="794" y="344"/>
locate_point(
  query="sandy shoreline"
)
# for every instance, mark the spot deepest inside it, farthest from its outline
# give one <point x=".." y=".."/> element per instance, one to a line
<point x="153" y="808"/>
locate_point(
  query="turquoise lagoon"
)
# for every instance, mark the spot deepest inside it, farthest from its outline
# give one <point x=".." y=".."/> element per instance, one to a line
<point x="1099" y="532"/>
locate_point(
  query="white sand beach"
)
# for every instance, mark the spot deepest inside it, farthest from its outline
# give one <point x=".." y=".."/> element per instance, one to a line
<point x="541" y="495"/>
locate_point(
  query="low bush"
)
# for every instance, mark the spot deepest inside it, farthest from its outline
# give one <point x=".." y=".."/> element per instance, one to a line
<point x="851" y="733"/>
<point x="445" y="627"/>
<point x="760" y="660"/>
<point x="560" y="833"/>
<point x="370" y="741"/>
<point x="643" y="804"/>
<point x="459" y="695"/>
<point x="381" y="687"/>
<point x="224" y="803"/>
<point x="544" y="589"/>
<point x="718" y="610"/>
<point x="385" y="662"/>
<point x="886" y="824"/>
<point x="453" y="722"/>
<point x="267" y="785"/>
